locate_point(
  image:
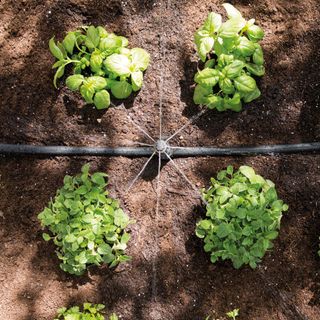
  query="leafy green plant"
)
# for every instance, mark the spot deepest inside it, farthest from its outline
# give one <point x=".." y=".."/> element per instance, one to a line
<point x="89" y="312"/>
<point x="231" y="314"/>
<point x="101" y="64"/>
<point x="87" y="225"/>
<point x="232" y="55"/>
<point x="243" y="215"/>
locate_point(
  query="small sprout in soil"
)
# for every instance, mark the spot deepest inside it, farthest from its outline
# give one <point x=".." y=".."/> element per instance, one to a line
<point x="231" y="314"/>
<point x="243" y="215"/>
<point x="86" y="225"/>
<point x="101" y="63"/>
<point x="89" y="312"/>
<point x="231" y="54"/>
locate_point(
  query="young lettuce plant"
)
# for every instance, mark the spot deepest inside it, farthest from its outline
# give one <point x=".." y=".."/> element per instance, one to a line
<point x="89" y="312"/>
<point x="243" y="217"/>
<point x="231" y="54"/>
<point x="87" y="226"/>
<point x="101" y="64"/>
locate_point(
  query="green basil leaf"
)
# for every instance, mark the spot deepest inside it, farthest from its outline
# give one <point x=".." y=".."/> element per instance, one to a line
<point x="207" y="77"/>
<point x="201" y="94"/>
<point x="46" y="237"/>
<point x="210" y="63"/>
<point x="215" y="102"/>
<point x="245" y="83"/>
<point x="225" y="59"/>
<point x="102" y="99"/>
<point x="87" y="91"/>
<point x="234" y="69"/>
<point x="213" y="22"/>
<point x="245" y="47"/>
<point x="140" y="59"/>
<point x="103" y="33"/>
<point x="219" y="48"/>
<point x="97" y="82"/>
<point x="258" y="55"/>
<point x="55" y="50"/>
<point x="232" y="12"/>
<point x="136" y="80"/>
<point x="206" y="45"/>
<point x="110" y="43"/>
<point x="248" y="97"/>
<point x="255" y="69"/>
<point x="75" y="81"/>
<point x="230" y="28"/>
<point x="255" y="33"/>
<point x="93" y="38"/>
<point x="69" y="42"/>
<point x="233" y="103"/>
<point x="226" y="86"/>
<point x="118" y="64"/>
<point x="121" y="89"/>
<point x="96" y="61"/>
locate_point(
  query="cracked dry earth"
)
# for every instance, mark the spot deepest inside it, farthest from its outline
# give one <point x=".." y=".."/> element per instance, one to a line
<point x="170" y="276"/>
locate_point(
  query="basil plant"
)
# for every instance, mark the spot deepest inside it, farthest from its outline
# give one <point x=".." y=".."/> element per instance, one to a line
<point x="102" y="64"/>
<point x="232" y="55"/>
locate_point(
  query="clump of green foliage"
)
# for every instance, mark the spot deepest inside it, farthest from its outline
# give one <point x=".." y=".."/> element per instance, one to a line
<point x="232" y="55"/>
<point x="242" y="218"/>
<point x="101" y="64"/>
<point x="87" y="225"/>
<point x="89" y="312"/>
<point x="231" y="314"/>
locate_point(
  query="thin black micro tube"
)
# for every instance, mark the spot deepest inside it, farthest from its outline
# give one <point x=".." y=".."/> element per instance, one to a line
<point x="174" y="152"/>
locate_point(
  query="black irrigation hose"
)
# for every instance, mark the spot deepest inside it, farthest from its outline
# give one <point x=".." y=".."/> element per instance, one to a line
<point x="132" y="152"/>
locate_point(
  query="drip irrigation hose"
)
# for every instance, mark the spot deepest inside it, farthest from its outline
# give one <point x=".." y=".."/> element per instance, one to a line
<point x="174" y="152"/>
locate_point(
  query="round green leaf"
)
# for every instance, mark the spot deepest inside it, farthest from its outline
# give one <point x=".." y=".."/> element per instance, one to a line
<point x="207" y="77"/>
<point x="245" y="83"/>
<point x="118" y="64"/>
<point x="121" y="89"/>
<point x="255" y="33"/>
<point x="201" y="93"/>
<point x="140" y="59"/>
<point x="234" y="69"/>
<point x="97" y="82"/>
<point x="255" y="69"/>
<point x="102" y="99"/>
<point x="74" y="82"/>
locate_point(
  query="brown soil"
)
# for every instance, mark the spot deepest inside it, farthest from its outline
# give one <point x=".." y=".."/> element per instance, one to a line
<point x="170" y="276"/>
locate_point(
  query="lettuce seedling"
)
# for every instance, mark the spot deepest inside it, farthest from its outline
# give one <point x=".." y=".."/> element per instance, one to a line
<point x="243" y="216"/>
<point x="101" y="64"/>
<point x="232" y="55"/>
<point x="89" y="312"/>
<point x="87" y="225"/>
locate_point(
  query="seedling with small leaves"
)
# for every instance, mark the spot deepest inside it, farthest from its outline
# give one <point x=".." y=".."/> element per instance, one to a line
<point x="101" y="63"/>
<point x="89" y="312"/>
<point x="243" y="217"/>
<point x="231" y="54"/>
<point x="87" y="225"/>
<point x="231" y="314"/>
